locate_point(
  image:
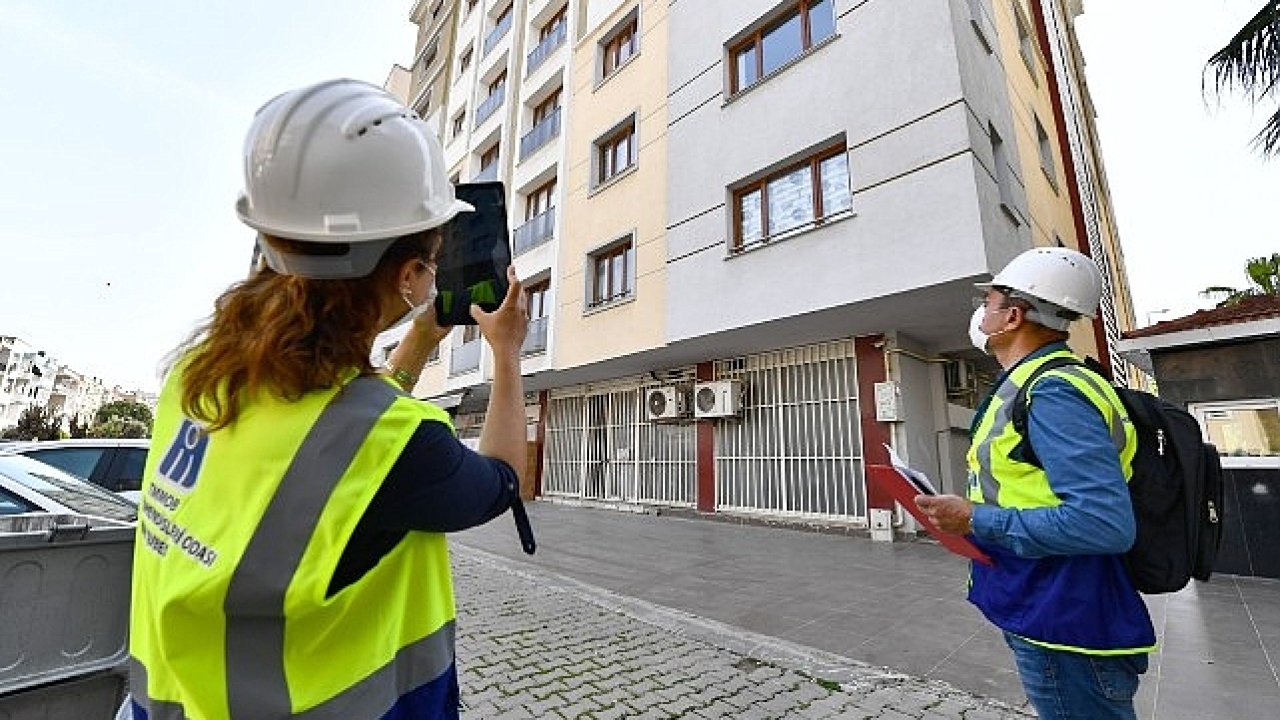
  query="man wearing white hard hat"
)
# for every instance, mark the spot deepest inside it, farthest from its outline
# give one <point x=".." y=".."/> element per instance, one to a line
<point x="290" y="559"/>
<point x="1052" y="509"/>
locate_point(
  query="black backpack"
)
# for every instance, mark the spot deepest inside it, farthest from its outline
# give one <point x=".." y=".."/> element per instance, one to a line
<point x="1176" y="488"/>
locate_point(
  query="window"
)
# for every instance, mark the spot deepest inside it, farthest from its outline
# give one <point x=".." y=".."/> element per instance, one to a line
<point x="1246" y="432"/>
<point x="616" y="152"/>
<point x="1046" y="154"/>
<point x="1026" y="45"/>
<point x="619" y="47"/>
<point x="77" y="461"/>
<point x="978" y="19"/>
<point x="540" y="200"/>
<point x="459" y="122"/>
<point x="538" y="296"/>
<point x="802" y="195"/>
<point x="430" y="56"/>
<point x="612" y="273"/>
<point x="489" y="157"/>
<point x="11" y="504"/>
<point x="1004" y="177"/>
<point x="779" y="42"/>
<point x="126" y="469"/>
<point x="470" y="333"/>
<point x="464" y="60"/>
<point x="546" y="107"/>
<point x="498" y="84"/>
<point x="553" y="24"/>
<point x="471" y="5"/>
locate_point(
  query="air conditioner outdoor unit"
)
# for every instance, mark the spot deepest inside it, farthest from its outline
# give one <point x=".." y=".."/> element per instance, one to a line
<point x="665" y="403"/>
<point x="721" y="398"/>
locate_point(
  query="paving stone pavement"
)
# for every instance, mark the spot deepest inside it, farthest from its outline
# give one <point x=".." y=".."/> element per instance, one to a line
<point x="547" y="646"/>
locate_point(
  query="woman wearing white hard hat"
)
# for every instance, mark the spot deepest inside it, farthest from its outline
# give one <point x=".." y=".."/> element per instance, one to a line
<point x="290" y="559"/>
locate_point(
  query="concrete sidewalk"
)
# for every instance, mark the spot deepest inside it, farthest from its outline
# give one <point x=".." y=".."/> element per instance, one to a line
<point x="897" y="605"/>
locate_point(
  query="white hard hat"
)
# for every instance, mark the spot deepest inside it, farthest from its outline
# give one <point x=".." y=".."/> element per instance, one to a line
<point x="1064" y="279"/>
<point x="342" y="161"/>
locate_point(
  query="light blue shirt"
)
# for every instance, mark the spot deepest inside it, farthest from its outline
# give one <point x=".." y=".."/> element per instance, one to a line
<point x="1071" y="438"/>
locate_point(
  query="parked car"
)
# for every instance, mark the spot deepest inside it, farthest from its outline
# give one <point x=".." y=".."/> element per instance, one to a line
<point x="114" y="464"/>
<point x="30" y="486"/>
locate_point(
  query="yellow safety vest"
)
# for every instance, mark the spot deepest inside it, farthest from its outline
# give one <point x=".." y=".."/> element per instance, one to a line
<point x="240" y="531"/>
<point x="1079" y="603"/>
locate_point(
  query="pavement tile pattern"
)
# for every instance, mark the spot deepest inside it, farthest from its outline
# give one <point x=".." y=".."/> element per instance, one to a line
<point x="540" y="645"/>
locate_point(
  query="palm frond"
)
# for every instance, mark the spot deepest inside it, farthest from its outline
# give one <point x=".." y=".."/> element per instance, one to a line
<point x="1250" y="61"/>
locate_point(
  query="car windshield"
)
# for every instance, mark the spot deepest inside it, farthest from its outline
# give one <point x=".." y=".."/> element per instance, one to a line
<point x="80" y="496"/>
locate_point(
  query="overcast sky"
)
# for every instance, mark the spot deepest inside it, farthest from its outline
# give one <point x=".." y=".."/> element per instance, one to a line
<point x="123" y="121"/>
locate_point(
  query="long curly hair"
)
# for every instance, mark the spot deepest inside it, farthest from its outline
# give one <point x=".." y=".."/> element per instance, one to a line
<point x="287" y="335"/>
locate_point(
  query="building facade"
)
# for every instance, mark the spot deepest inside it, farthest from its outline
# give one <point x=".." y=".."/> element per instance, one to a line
<point x="750" y="231"/>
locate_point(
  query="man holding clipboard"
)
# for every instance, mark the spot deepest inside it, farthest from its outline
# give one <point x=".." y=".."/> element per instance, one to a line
<point x="1056" y="529"/>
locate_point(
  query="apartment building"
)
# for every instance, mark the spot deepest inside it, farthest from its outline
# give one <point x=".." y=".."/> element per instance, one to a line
<point x="750" y="232"/>
<point x="26" y="378"/>
<point x="31" y="377"/>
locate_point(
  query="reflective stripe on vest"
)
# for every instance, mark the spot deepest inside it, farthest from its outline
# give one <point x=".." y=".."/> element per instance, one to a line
<point x="254" y="606"/>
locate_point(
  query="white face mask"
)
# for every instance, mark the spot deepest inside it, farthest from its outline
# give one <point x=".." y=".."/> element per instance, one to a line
<point x="976" y="334"/>
<point x="416" y="311"/>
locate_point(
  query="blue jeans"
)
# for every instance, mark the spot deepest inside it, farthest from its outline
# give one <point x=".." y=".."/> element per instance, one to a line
<point x="1071" y="686"/>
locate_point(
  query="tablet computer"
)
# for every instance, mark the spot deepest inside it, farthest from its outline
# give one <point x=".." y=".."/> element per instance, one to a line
<point x="473" y="260"/>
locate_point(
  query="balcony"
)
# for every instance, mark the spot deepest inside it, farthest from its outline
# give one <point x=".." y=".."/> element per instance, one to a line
<point x="498" y="32"/>
<point x="488" y="173"/>
<point x="541" y="134"/>
<point x="465" y="358"/>
<point x="536" y="341"/>
<point x="539" y="229"/>
<point x="539" y="54"/>
<point x="490" y="104"/>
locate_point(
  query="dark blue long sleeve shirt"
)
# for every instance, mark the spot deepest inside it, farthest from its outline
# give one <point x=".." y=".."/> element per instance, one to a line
<point x="1071" y="438"/>
<point x="437" y="485"/>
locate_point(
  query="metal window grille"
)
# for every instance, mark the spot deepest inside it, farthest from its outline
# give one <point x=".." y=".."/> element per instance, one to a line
<point x="797" y="449"/>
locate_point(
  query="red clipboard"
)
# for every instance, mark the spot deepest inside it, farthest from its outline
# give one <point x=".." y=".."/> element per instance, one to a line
<point x="904" y="492"/>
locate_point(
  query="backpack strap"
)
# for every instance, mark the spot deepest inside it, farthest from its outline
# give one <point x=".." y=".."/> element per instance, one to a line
<point x="1019" y="411"/>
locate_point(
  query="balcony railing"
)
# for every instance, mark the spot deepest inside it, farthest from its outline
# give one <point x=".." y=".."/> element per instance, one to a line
<point x="536" y="340"/>
<point x="544" y="49"/>
<point x="490" y="104"/>
<point x="546" y="129"/>
<point x="497" y="33"/>
<point x="539" y="229"/>
<point x="487" y="173"/>
<point x="465" y="358"/>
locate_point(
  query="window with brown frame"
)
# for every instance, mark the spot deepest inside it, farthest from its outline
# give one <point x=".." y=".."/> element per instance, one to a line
<point x="553" y="23"/>
<point x="464" y="61"/>
<point x="613" y="271"/>
<point x="546" y="107"/>
<point x="616" y="152"/>
<point x="540" y="200"/>
<point x="538" y="296"/>
<point x="780" y="41"/>
<point x="498" y="83"/>
<point x="489" y="157"/>
<point x="801" y="195"/>
<point x="619" y="47"/>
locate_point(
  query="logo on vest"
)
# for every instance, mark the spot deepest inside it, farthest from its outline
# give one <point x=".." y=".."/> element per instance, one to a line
<point x="182" y="461"/>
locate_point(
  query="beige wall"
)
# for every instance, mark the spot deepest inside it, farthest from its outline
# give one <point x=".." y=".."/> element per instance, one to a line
<point x="1048" y="197"/>
<point x="634" y="203"/>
